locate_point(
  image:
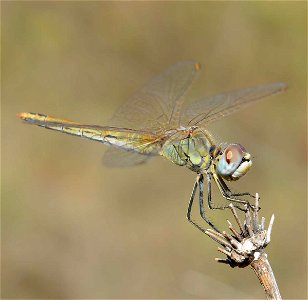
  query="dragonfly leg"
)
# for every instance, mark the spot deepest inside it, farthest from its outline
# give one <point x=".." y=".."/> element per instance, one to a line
<point x="191" y="200"/>
<point x="201" y="204"/>
<point x="209" y="193"/>
<point x="242" y="194"/>
<point x="230" y="194"/>
<point x="227" y="194"/>
<point x="209" y="199"/>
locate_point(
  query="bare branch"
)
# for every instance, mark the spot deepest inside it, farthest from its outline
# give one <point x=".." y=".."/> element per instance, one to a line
<point x="246" y="247"/>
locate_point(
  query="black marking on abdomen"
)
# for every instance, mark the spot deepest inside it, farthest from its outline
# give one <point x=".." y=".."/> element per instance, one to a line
<point x="111" y="136"/>
<point x="38" y="114"/>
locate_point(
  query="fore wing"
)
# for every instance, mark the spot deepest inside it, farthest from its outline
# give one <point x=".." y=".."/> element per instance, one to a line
<point x="210" y="109"/>
<point x="155" y="107"/>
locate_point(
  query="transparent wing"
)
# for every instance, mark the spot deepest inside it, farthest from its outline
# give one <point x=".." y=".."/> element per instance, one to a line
<point x="117" y="158"/>
<point x="213" y="108"/>
<point x="157" y="105"/>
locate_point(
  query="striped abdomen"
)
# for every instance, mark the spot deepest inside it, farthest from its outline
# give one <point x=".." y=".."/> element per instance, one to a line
<point x="126" y="139"/>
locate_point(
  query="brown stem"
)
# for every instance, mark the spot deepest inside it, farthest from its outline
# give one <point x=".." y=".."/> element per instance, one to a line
<point x="265" y="274"/>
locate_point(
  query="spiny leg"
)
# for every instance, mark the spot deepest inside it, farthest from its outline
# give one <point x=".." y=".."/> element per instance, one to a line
<point x="191" y="200"/>
<point x="229" y="192"/>
<point x="224" y="190"/>
<point x="230" y="195"/>
<point x="242" y="194"/>
<point x="209" y="194"/>
<point x="201" y="204"/>
<point x="226" y="193"/>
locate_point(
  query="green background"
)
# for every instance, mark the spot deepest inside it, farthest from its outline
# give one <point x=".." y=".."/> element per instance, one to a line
<point x="72" y="228"/>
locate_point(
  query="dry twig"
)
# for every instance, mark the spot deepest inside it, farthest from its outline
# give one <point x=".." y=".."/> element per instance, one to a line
<point x="246" y="247"/>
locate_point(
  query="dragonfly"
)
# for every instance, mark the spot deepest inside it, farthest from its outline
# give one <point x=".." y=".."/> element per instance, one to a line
<point x="156" y="121"/>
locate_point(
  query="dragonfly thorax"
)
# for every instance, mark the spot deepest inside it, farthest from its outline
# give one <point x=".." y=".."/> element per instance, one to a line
<point x="190" y="147"/>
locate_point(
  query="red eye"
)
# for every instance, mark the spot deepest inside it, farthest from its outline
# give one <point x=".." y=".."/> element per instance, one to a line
<point x="229" y="155"/>
<point x="234" y="153"/>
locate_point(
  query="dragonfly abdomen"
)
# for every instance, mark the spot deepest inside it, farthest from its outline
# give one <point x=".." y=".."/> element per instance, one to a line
<point x="41" y="119"/>
<point x="61" y="125"/>
<point x="126" y="139"/>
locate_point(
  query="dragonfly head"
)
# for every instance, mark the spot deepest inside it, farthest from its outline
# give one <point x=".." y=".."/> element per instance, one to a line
<point x="234" y="162"/>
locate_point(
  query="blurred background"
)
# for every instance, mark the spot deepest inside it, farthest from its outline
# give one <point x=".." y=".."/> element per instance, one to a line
<point x="72" y="228"/>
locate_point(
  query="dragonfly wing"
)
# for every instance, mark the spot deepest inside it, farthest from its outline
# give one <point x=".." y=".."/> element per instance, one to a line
<point x="210" y="109"/>
<point x="118" y="158"/>
<point x="159" y="102"/>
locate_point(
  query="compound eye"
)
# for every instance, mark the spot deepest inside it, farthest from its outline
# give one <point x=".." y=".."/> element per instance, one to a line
<point x="229" y="156"/>
<point x="234" y="153"/>
<point x="234" y="162"/>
